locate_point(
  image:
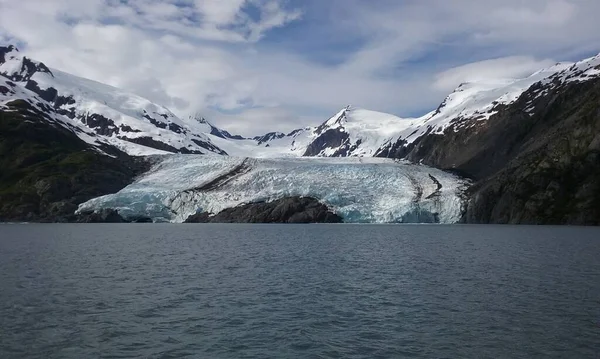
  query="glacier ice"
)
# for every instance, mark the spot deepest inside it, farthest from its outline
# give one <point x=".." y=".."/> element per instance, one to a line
<point x="361" y="190"/>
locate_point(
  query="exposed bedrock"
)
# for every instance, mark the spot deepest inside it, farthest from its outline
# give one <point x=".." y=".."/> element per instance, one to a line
<point x="285" y="210"/>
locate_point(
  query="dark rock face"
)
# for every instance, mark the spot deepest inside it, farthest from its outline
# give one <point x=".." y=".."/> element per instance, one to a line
<point x="5" y="50"/>
<point x="552" y="174"/>
<point x="106" y="215"/>
<point x="126" y="128"/>
<point x="61" y="101"/>
<point x="48" y="94"/>
<point x="534" y="190"/>
<point x="100" y="124"/>
<point x="47" y="171"/>
<point x="332" y="138"/>
<point x="153" y="121"/>
<point x="5" y="90"/>
<point x="175" y="128"/>
<point x="169" y="125"/>
<point x="224" y="134"/>
<point x="269" y="137"/>
<point x="539" y="166"/>
<point x="149" y="142"/>
<point x="209" y="146"/>
<point x="294" y="132"/>
<point x="285" y="210"/>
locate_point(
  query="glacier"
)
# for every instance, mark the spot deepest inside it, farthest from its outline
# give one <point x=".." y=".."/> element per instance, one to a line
<point x="360" y="190"/>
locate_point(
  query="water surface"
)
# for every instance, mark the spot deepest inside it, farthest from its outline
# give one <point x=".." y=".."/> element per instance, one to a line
<point x="306" y="291"/>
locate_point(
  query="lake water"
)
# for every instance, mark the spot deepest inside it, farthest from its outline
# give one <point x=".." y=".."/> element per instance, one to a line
<point x="306" y="291"/>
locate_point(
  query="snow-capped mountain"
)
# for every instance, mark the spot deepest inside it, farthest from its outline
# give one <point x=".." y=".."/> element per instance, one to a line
<point x="472" y="104"/>
<point x="353" y="132"/>
<point x="103" y="113"/>
<point x="364" y="133"/>
<point x="356" y="132"/>
<point x="210" y="129"/>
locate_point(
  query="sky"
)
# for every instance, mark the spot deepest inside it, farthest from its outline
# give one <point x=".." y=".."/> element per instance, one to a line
<point x="252" y="66"/>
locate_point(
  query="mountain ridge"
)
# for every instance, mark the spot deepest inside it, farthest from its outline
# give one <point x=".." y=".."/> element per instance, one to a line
<point x="531" y="146"/>
<point x="107" y="112"/>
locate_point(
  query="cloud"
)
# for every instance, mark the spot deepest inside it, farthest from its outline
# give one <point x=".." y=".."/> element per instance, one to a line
<point x="512" y="67"/>
<point x="258" y="65"/>
<point x="270" y="119"/>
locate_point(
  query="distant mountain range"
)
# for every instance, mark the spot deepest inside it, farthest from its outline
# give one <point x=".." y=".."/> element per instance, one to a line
<point x="530" y="145"/>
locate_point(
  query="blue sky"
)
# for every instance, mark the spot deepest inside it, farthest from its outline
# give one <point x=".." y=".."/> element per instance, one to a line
<point x="258" y="65"/>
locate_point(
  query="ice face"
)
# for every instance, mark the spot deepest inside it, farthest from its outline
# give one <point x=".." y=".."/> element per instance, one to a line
<point x="361" y="190"/>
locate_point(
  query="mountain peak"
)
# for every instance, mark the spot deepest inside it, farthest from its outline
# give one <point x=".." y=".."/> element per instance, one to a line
<point x="18" y="67"/>
<point x="214" y="130"/>
<point x="199" y="118"/>
<point x="5" y="50"/>
<point x="9" y="48"/>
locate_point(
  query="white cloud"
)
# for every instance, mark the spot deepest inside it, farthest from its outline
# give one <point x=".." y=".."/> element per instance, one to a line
<point x="272" y="16"/>
<point x="513" y="67"/>
<point x="552" y="13"/>
<point x="267" y="119"/>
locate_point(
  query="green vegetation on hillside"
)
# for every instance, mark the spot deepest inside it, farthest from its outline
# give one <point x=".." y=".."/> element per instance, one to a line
<point x="46" y="170"/>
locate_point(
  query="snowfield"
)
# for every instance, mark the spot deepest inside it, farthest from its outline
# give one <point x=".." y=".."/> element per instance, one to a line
<point x="360" y="190"/>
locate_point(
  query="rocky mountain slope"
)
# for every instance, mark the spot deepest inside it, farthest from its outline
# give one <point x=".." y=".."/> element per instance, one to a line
<point x="47" y="170"/>
<point x="535" y="159"/>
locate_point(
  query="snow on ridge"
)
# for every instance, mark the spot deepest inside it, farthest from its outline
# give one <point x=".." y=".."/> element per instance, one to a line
<point x="124" y="109"/>
<point x="473" y="101"/>
<point x="580" y="71"/>
<point x="370" y="131"/>
<point x="362" y="132"/>
<point x="12" y="90"/>
<point x="116" y="115"/>
<point x="470" y="102"/>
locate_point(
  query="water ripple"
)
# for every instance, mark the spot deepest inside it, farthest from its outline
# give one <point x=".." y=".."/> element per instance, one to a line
<point x="238" y="291"/>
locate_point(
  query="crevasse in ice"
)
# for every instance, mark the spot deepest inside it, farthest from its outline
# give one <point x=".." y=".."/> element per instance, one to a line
<point x="360" y="190"/>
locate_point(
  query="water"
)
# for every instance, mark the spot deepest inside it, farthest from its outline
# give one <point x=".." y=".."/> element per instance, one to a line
<point x="308" y="291"/>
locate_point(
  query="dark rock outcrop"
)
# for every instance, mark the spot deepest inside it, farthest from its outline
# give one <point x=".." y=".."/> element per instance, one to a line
<point x="332" y="138"/>
<point x="209" y="146"/>
<point x="285" y="210"/>
<point x="100" y="124"/>
<point x="106" y="215"/>
<point x="150" y="142"/>
<point x="217" y="131"/>
<point x="140" y="219"/>
<point x="269" y="137"/>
